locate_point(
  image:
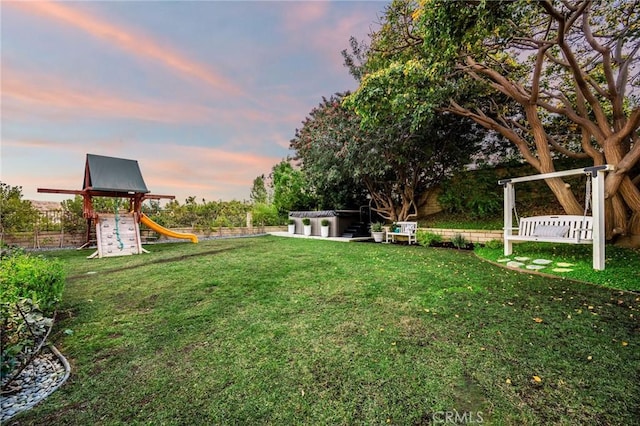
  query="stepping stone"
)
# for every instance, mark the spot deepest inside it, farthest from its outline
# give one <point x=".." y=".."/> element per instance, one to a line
<point x="522" y="258"/>
<point x="535" y="267"/>
<point x="542" y="261"/>
<point x="513" y="264"/>
<point x="564" y="264"/>
<point x="506" y="259"/>
<point x="562" y="270"/>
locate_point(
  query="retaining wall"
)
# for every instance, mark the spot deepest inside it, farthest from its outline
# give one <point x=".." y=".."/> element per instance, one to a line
<point x="471" y="235"/>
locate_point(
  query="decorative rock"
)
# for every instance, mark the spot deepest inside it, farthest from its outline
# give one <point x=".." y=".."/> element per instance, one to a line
<point x="535" y="267"/>
<point x="562" y="270"/>
<point x="522" y="258"/>
<point x="46" y="373"/>
<point x="503" y="260"/>
<point x="564" y="264"/>
<point x="542" y="261"/>
<point x="513" y="264"/>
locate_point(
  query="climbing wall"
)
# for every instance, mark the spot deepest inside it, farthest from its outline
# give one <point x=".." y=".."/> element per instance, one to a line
<point x="118" y="235"/>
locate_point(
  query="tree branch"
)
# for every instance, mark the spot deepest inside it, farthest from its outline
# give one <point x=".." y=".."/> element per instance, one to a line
<point x="581" y="82"/>
<point x="489" y="123"/>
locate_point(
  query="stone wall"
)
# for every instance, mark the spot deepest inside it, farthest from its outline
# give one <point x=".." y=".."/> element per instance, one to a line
<point x="471" y="235"/>
<point x="431" y="205"/>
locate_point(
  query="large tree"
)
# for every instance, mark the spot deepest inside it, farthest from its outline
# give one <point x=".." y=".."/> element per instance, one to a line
<point x="568" y="69"/>
<point x="259" y="194"/>
<point x="16" y="214"/>
<point x="397" y="165"/>
<point x="291" y="189"/>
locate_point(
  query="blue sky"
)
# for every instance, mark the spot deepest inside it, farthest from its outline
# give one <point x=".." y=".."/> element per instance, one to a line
<point x="205" y="95"/>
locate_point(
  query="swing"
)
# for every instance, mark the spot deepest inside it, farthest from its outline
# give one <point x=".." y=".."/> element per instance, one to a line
<point x="571" y="229"/>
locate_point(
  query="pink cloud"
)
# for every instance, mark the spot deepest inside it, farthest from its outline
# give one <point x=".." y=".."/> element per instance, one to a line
<point x="200" y="168"/>
<point x="167" y="168"/>
<point x="45" y="92"/>
<point x="302" y="14"/>
<point x="137" y="44"/>
<point x="22" y="92"/>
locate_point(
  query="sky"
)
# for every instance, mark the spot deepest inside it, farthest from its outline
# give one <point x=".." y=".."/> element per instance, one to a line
<point x="205" y="95"/>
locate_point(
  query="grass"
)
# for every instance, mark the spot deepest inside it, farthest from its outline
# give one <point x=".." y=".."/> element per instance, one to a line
<point x="622" y="266"/>
<point x="273" y="330"/>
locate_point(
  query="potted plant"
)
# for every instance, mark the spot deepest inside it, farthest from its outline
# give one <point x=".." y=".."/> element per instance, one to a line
<point x="377" y="232"/>
<point x="291" y="224"/>
<point x="324" y="228"/>
<point x="307" y="226"/>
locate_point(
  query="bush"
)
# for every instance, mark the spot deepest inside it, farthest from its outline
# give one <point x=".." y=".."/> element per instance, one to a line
<point x="459" y="241"/>
<point x="306" y="221"/>
<point x="427" y="239"/>
<point x="24" y="329"/>
<point x="30" y="286"/>
<point x="325" y="222"/>
<point x="23" y="276"/>
<point x="483" y="201"/>
<point x="265" y="214"/>
<point x="493" y="244"/>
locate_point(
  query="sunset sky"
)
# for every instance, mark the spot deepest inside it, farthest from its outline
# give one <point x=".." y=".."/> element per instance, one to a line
<point x="205" y="95"/>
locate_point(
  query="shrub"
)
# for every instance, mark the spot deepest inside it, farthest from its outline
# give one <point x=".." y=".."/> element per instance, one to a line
<point x="265" y="214"/>
<point x="306" y="221"/>
<point x="24" y="329"/>
<point x="376" y="227"/>
<point x="30" y="286"/>
<point x="485" y="200"/>
<point x="459" y="241"/>
<point x="291" y="222"/>
<point x="493" y="244"/>
<point x="222" y="222"/>
<point x="427" y="239"/>
<point x="23" y="276"/>
<point x="325" y="222"/>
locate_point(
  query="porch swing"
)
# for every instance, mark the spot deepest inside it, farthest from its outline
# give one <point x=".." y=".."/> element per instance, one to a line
<point x="570" y="229"/>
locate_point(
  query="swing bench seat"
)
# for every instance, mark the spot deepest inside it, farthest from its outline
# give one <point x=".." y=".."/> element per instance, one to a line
<point x="554" y="229"/>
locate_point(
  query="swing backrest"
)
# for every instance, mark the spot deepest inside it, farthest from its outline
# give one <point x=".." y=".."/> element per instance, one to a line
<point x="567" y="227"/>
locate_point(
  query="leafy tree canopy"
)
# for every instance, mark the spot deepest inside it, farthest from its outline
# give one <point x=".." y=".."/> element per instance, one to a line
<point x="15" y="213"/>
<point x="259" y="192"/>
<point x="291" y="190"/>
<point x="555" y="78"/>
<point x="397" y="165"/>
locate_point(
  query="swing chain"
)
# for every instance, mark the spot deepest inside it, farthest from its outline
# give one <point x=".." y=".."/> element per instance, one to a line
<point x="513" y="198"/>
<point x="587" y="195"/>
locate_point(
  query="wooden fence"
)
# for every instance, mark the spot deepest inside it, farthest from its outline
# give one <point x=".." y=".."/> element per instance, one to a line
<point x="61" y="239"/>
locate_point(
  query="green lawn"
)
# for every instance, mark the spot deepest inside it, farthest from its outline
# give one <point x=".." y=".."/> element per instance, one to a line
<point x="285" y="331"/>
<point x="622" y="266"/>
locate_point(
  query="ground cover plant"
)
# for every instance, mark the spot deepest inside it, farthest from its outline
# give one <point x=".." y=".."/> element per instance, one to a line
<point x="271" y="330"/>
<point x="461" y="221"/>
<point x="622" y="265"/>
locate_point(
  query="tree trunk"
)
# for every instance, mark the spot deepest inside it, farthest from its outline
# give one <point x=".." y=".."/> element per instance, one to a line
<point x="565" y="197"/>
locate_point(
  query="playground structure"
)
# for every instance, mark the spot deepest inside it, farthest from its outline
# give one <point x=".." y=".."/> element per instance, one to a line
<point x="117" y="234"/>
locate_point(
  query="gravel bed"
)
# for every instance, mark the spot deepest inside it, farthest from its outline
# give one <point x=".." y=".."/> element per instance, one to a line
<point x="48" y="371"/>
